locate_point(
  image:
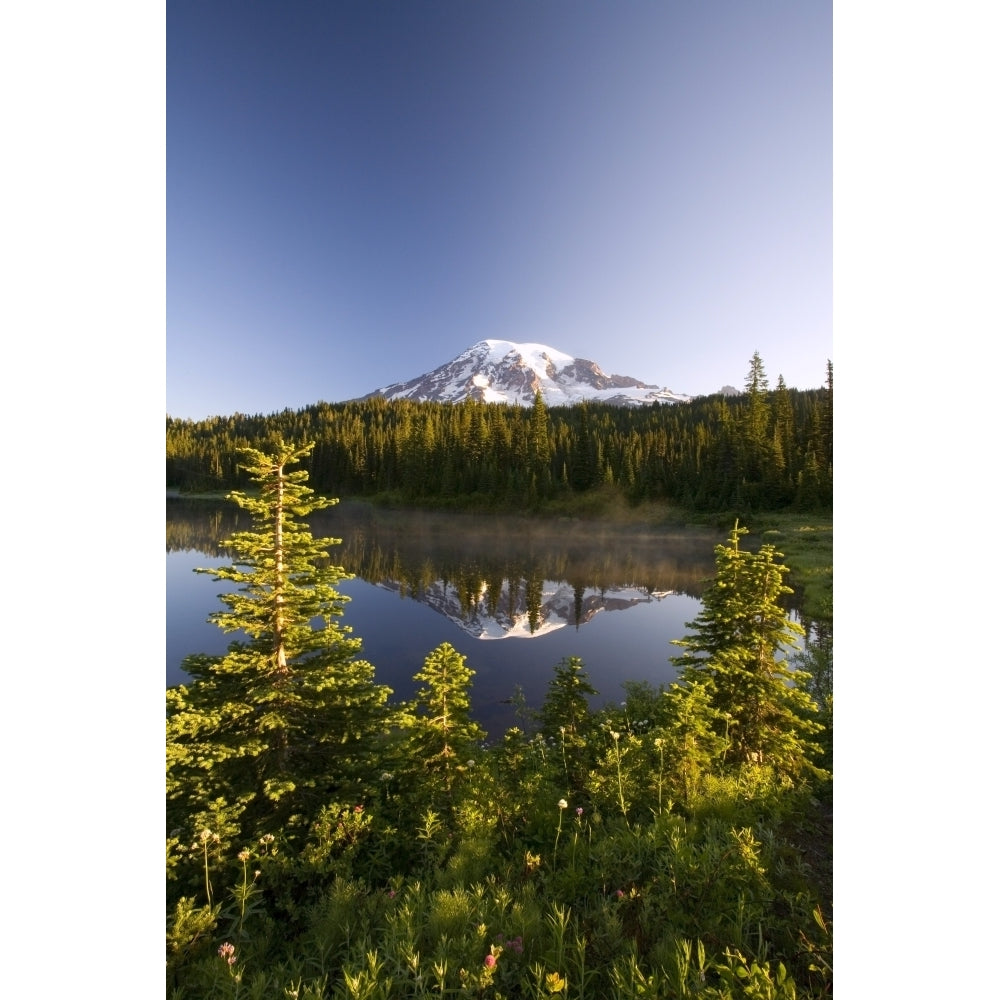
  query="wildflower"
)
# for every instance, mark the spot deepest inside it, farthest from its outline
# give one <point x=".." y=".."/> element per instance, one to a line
<point x="359" y="809"/>
<point x="470" y="763"/>
<point x="244" y="855"/>
<point x="563" y="803"/>
<point x="227" y="952"/>
<point x="268" y="838"/>
<point x="205" y="836"/>
<point x="619" y="893"/>
<point x="554" y="982"/>
<point x="615" y="736"/>
<point x="579" y="810"/>
<point x="490" y="961"/>
<point x="386" y="776"/>
<point x="392" y="893"/>
<point x="256" y="874"/>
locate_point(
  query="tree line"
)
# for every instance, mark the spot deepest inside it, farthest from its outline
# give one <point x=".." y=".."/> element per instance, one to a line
<point x="762" y="449"/>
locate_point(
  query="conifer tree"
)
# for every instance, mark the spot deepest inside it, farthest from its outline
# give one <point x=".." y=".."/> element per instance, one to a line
<point x="441" y="732"/>
<point x="689" y="738"/>
<point x="738" y="647"/>
<point x="566" y="706"/>
<point x="539" y="451"/>
<point x="828" y="416"/>
<point x="565" y="716"/>
<point x="754" y="444"/>
<point x="265" y="733"/>
<point x="783" y="441"/>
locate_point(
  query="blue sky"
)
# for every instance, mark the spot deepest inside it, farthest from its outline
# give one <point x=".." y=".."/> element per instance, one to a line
<point x="358" y="191"/>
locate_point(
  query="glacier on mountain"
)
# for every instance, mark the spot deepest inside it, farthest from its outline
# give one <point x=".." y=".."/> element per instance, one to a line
<point x="501" y="371"/>
<point x="559" y="605"/>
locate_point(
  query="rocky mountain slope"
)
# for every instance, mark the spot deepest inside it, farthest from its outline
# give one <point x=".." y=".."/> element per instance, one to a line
<point x="499" y="371"/>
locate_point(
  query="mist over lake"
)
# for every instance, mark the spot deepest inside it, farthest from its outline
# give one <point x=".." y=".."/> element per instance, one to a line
<point x="513" y="595"/>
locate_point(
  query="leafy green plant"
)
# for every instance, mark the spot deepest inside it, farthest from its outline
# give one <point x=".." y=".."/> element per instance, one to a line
<point x="246" y="895"/>
<point x="749" y="979"/>
<point x="189" y="933"/>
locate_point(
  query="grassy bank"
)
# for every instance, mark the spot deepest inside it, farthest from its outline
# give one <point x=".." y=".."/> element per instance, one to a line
<point x="173" y="492"/>
<point x="807" y="544"/>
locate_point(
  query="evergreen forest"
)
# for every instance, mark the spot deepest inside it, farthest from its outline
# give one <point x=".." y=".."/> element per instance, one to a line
<point x="765" y="449"/>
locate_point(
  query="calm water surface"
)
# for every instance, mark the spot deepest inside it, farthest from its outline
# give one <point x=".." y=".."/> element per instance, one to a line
<point x="514" y="596"/>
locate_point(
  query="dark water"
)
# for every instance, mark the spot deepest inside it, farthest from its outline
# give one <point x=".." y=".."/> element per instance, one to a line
<point x="514" y="596"/>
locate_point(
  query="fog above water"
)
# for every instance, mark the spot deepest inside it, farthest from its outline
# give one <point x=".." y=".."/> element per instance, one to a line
<point x="419" y="546"/>
<point x="546" y="589"/>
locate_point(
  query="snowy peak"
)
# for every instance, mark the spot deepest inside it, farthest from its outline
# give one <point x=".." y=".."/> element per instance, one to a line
<point x="500" y="371"/>
<point x="512" y="618"/>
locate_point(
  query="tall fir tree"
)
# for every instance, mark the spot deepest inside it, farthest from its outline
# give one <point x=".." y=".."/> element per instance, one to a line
<point x="565" y="717"/>
<point x="738" y="647"/>
<point x="441" y="733"/>
<point x="538" y="447"/>
<point x="828" y="419"/>
<point x="265" y="733"/>
<point x="754" y="451"/>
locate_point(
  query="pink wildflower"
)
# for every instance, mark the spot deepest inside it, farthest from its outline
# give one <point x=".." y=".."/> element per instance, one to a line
<point x="490" y="961"/>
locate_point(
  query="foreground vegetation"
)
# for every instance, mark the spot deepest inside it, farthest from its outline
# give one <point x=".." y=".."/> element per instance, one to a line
<point x="324" y="841"/>
<point x="516" y="890"/>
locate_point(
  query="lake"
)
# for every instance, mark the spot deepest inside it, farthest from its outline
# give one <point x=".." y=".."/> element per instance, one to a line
<point x="513" y="595"/>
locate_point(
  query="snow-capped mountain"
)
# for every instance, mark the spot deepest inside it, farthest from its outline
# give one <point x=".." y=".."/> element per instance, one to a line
<point x="558" y="607"/>
<point x="499" y="371"/>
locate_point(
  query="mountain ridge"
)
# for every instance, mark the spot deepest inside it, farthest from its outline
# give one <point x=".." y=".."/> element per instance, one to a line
<point x="559" y="606"/>
<point x="502" y="371"/>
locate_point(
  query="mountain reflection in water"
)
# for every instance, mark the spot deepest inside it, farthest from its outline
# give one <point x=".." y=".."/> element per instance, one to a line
<point x="524" y="610"/>
<point x="490" y="576"/>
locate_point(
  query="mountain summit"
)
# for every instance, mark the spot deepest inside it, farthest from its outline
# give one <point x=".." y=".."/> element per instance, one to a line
<point x="499" y="371"/>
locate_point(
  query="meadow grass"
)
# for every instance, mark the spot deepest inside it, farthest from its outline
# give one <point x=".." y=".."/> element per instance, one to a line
<point x="521" y="887"/>
<point x="806" y="542"/>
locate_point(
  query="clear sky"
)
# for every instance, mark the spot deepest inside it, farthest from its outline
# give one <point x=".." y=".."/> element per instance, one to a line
<point x="358" y="191"/>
